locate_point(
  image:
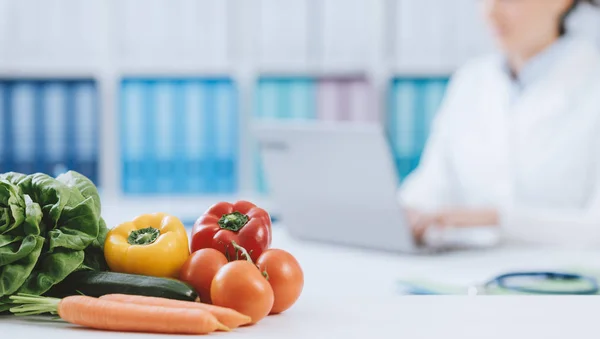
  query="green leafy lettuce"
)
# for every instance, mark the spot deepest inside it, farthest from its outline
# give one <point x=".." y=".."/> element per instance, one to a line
<point x="49" y="228"/>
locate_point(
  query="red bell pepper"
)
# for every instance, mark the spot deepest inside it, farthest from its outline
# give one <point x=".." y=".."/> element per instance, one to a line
<point x="243" y="222"/>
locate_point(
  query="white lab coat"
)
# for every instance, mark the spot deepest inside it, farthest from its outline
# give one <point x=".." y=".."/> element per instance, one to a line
<point x="536" y="158"/>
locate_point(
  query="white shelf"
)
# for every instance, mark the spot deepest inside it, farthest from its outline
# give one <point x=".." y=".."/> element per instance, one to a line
<point x="422" y="72"/>
<point x="37" y="72"/>
<point x="173" y="71"/>
<point x="313" y="72"/>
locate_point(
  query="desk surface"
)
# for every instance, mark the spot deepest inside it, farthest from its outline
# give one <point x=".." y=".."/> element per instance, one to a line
<point x="359" y="300"/>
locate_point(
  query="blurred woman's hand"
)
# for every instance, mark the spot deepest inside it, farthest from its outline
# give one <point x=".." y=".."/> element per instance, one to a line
<point x="467" y="217"/>
<point x="420" y="222"/>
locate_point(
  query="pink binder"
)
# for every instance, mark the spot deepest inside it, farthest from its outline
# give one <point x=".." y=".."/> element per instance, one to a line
<point x="328" y="100"/>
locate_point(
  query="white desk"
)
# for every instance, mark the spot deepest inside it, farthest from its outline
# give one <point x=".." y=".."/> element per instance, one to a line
<point x="359" y="300"/>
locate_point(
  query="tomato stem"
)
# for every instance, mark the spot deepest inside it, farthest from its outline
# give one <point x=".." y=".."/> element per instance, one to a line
<point x="243" y="251"/>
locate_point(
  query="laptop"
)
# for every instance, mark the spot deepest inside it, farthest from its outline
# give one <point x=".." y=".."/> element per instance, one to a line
<point x="335" y="182"/>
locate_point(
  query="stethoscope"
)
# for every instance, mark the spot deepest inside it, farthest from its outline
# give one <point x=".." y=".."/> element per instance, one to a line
<point x="575" y="284"/>
<point x="504" y="282"/>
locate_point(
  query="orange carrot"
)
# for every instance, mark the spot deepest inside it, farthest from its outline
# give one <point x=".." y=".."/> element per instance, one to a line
<point x="227" y="316"/>
<point x="118" y="316"/>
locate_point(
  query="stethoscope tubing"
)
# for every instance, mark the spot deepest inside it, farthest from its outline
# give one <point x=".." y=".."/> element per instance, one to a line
<point x="500" y="281"/>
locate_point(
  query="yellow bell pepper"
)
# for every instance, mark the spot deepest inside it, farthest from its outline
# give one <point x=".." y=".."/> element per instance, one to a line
<point x="151" y="244"/>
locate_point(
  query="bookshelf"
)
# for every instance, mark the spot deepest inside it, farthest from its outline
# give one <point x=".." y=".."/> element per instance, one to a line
<point x="149" y="65"/>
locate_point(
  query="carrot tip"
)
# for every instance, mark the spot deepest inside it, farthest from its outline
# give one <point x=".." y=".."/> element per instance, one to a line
<point x="221" y="327"/>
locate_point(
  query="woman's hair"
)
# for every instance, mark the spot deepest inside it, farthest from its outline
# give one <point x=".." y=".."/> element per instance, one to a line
<point x="563" y="22"/>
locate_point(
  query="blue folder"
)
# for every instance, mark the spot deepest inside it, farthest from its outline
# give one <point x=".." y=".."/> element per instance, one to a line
<point x="413" y="104"/>
<point x="55" y="125"/>
<point x="3" y="125"/>
<point x="301" y="103"/>
<point x="162" y="151"/>
<point x="149" y="137"/>
<point x="226" y="119"/>
<point x="194" y="144"/>
<point x="8" y="135"/>
<point x="87" y="129"/>
<point x="25" y="127"/>
<point x="180" y="136"/>
<point x="269" y="105"/>
<point x="283" y="98"/>
<point x="210" y="135"/>
<point x="433" y="96"/>
<point x="49" y="125"/>
<point x="132" y="134"/>
<point x="268" y="97"/>
<point x="405" y="124"/>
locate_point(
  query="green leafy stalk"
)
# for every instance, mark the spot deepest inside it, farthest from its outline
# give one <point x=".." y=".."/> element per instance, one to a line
<point x="33" y="305"/>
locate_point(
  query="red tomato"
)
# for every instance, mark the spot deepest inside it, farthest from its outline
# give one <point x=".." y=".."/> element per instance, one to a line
<point x="200" y="269"/>
<point x="285" y="276"/>
<point x="240" y="285"/>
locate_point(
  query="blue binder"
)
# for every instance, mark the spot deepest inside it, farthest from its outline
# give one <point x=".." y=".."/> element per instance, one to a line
<point x="150" y="160"/>
<point x="269" y="105"/>
<point x="194" y="145"/>
<point x="55" y="124"/>
<point x="162" y="151"/>
<point x="3" y="125"/>
<point x="87" y="122"/>
<point x="179" y="136"/>
<point x="413" y="104"/>
<point x="71" y="126"/>
<point x="25" y="113"/>
<point x="268" y="98"/>
<point x="405" y="124"/>
<point x="132" y="133"/>
<point x="286" y="98"/>
<point x="227" y="138"/>
<point x="301" y="99"/>
<point x="49" y="125"/>
<point x="283" y="98"/>
<point x="210" y="135"/>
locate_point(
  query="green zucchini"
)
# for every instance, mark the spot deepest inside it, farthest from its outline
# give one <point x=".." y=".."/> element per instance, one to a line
<point x="97" y="284"/>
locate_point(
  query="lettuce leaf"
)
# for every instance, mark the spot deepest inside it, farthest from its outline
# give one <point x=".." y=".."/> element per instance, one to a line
<point x="14" y="274"/>
<point x="51" y="195"/>
<point x="70" y="219"/>
<point x="20" y="242"/>
<point x="84" y="185"/>
<point x="4" y="307"/>
<point x="12" y="207"/>
<point x="49" y="228"/>
<point x="94" y="253"/>
<point x="51" y="269"/>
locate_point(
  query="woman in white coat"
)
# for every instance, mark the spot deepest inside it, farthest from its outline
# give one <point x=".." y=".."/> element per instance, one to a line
<point x="516" y="144"/>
